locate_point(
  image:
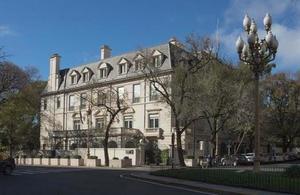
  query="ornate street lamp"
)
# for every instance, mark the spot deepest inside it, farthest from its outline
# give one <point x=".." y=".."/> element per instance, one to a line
<point x="258" y="54"/>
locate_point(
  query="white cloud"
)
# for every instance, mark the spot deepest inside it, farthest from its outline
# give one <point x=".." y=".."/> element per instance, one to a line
<point x="256" y="9"/>
<point x="5" y="31"/>
<point x="288" y="34"/>
<point x="289" y="42"/>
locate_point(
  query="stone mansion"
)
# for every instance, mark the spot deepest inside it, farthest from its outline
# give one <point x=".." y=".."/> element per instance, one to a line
<point x="64" y="120"/>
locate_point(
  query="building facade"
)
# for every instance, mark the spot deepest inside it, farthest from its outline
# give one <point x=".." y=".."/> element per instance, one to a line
<point x="68" y="120"/>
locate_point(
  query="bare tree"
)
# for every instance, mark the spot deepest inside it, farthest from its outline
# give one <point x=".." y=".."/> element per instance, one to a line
<point x="112" y="107"/>
<point x="178" y="87"/>
<point x="12" y="79"/>
<point x="282" y="112"/>
<point x="110" y="102"/>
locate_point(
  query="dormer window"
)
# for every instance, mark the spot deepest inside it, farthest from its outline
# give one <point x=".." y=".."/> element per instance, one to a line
<point x="85" y="77"/>
<point x="157" y="58"/>
<point x="86" y="74"/>
<point x="139" y="62"/>
<point x="157" y="61"/>
<point x="104" y="70"/>
<point x="75" y="76"/>
<point x="73" y="79"/>
<point x="123" y="66"/>
<point x="103" y="73"/>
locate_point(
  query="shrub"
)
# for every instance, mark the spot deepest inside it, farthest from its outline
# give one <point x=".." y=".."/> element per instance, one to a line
<point x="115" y="158"/>
<point x="165" y="156"/>
<point x="126" y="157"/>
<point x="293" y="171"/>
<point x="93" y="157"/>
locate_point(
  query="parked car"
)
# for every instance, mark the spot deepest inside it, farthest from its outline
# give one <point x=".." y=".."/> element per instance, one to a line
<point x="229" y="160"/>
<point x="290" y="156"/>
<point x="7" y="165"/>
<point x="249" y="157"/>
<point x="242" y="160"/>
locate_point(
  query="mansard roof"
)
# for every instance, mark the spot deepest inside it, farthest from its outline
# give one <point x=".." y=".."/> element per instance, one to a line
<point x="113" y="64"/>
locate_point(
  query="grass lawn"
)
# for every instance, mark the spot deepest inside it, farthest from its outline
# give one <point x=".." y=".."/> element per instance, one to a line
<point x="272" y="181"/>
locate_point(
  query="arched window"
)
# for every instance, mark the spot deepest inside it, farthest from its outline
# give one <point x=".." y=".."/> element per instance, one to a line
<point x="112" y="144"/>
<point x="130" y="144"/>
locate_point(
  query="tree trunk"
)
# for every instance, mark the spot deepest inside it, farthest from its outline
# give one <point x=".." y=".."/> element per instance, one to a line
<point x="284" y="145"/>
<point x="105" y="147"/>
<point x="213" y="145"/>
<point x="217" y="145"/>
<point x="179" y="149"/>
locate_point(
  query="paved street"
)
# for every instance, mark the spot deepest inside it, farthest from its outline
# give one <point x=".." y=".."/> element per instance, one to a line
<point x="60" y="181"/>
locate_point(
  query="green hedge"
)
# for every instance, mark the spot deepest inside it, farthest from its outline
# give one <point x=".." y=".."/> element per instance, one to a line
<point x="272" y="181"/>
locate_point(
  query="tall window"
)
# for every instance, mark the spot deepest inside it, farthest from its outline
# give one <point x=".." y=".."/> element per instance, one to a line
<point x="128" y="122"/>
<point x="157" y="60"/>
<point x="71" y="102"/>
<point x="85" y="77"/>
<point x="73" y="79"/>
<point x="122" y="68"/>
<point x="83" y="100"/>
<point x="121" y="92"/>
<point x="136" y="93"/>
<point x="99" y="123"/>
<point x="76" y="124"/>
<point x="103" y="73"/>
<point x="101" y="98"/>
<point x="153" y="92"/>
<point x="45" y="104"/>
<point x="153" y="121"/>
<point x="139" y="64"/>
<point x="58" y="102"/>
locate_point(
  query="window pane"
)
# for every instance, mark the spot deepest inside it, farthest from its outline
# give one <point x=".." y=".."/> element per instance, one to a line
<point x="121" y="92"/>
<point x="83" y="100"/>
<point x="153" y="120"/>
<point x="101" y="99"/>
<point x="99" y="123"/>
<point x="153" y="92"/>
<point x="71" y="102"/>
<point x="102" y="72"/>
<point x="76" y="124"/>
<point x="136" y="93"/>
<point x="73" y="79"/>
<point x="128" y="123"/>
<point x="58" y="102"/>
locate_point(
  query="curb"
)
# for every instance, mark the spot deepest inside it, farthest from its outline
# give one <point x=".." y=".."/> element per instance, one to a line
<point x="170" y="183"/>
<point x="199" y="186"/>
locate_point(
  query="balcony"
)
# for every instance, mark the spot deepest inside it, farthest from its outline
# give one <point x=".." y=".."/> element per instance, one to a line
<point x="154" y="133"/>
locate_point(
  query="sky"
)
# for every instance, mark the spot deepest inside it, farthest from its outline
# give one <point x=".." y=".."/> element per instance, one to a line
<point x="32" y="30"/>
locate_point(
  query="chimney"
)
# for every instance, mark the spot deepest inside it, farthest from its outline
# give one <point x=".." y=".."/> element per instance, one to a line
<point x="54" y="64"/>
<point x="175" y="42"/>
<point x="54" y="72"/>
<point x="105" y="52"/>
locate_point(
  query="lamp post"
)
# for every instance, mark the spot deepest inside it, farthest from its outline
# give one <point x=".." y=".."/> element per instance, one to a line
<point x="258" y="54"/>
<point x="89" y="121"/>
<point x="173" y="148"/>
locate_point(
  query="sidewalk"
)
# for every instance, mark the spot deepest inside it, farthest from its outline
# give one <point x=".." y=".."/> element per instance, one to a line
<point x="204" y="187"/>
